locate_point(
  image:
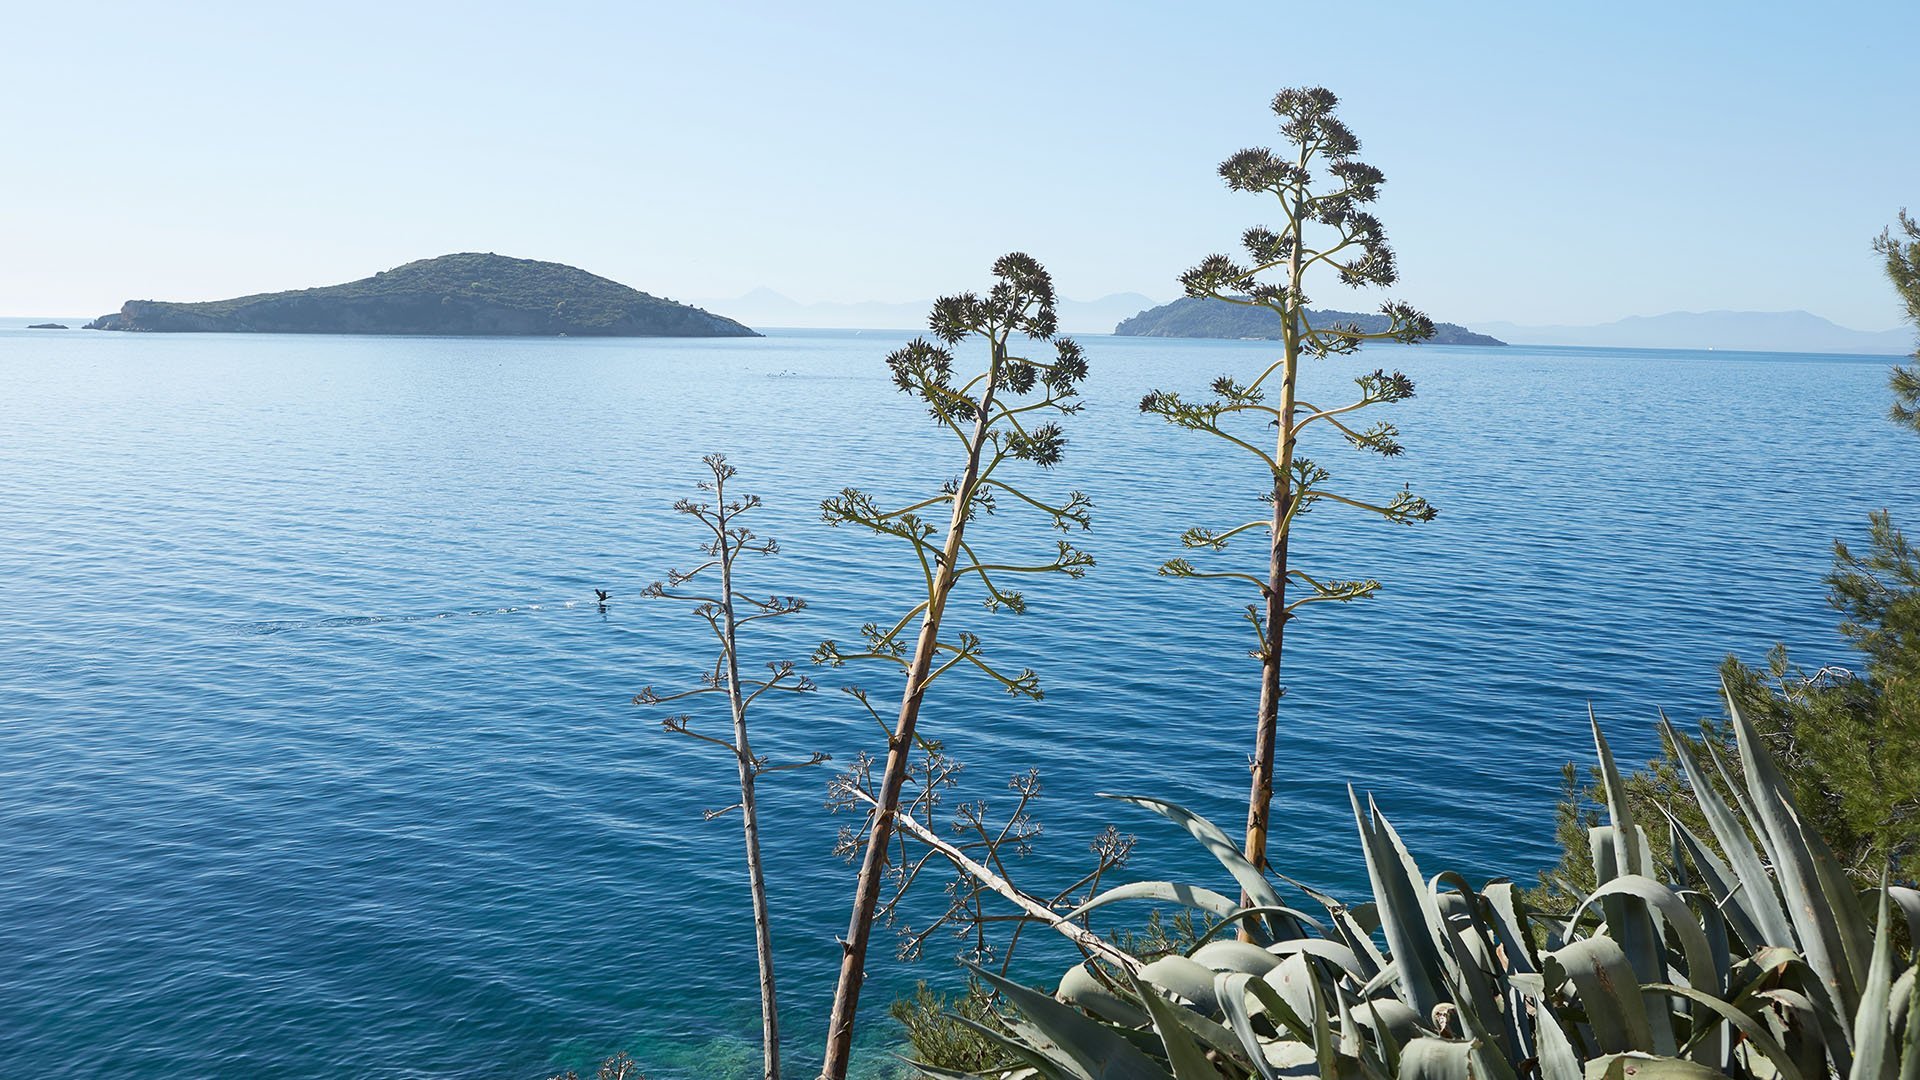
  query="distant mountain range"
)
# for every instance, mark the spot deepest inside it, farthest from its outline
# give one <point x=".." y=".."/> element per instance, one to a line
<point x="764" y="307"/>
<point x="467" y="293"/>
<point x="1188" y="317"/>
<point x="1745" y="331"/>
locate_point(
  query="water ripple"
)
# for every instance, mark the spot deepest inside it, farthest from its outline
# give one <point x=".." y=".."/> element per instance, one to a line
<point x="316" y="760"/>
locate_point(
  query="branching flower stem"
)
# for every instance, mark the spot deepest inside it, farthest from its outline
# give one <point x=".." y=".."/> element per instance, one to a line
<point x="1321" y="142"/>
<point x="985" y="416"/>
<point x="866" y="897"/>
<point x="724" y="616"/>
<point x="1032" y="906"/>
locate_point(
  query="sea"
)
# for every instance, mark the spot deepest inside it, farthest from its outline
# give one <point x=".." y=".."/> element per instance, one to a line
<point x="318" y="755"/>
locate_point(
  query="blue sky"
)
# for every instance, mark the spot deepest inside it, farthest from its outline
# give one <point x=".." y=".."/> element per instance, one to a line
<point x="1546" y="162"/>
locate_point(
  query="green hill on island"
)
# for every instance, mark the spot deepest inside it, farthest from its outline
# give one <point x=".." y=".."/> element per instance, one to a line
<point x="464" y="294"/>
<point x="1191" y="318"/>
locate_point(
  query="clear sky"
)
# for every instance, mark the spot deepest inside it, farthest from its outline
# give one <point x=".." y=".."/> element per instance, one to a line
<point x="1546" y="162"/>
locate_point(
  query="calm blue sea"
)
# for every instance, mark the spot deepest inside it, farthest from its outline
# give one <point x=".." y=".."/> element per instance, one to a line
<point x="316" y="756"/>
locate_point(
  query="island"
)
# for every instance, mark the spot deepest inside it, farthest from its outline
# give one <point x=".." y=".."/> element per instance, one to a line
<point x="47" y="326"/>
<point x="463" y="294"/>
<point x="1188" y="317"/>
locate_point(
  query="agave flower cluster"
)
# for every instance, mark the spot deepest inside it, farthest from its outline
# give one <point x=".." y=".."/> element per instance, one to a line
<point x="1750" y="955"/>
<point x="1004" y="405"/>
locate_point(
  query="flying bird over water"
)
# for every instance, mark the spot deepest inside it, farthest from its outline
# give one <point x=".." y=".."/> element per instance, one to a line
<point x="602" y="594"/>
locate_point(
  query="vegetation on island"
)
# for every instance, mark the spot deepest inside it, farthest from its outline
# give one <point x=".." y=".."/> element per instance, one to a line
<point x="464" y="294"/>
<point x="1210" y="317"/>
<point x="1742" y="908"/>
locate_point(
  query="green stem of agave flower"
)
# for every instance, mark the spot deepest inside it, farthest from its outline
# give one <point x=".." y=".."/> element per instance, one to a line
<point x="873" y="865"/>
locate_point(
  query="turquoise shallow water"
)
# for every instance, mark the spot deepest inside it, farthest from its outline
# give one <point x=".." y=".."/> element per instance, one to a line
<point x="316" y="757"/>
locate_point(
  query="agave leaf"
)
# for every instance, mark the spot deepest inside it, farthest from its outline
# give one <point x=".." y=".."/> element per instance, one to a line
<point x="1701" y="970"/>
<point x="1728" y="893"/>
<point x="1277" y="1008"/>
<point x="1292" y="921"/>
<point x="1351" y="1043"/>
<point x="1188" y="1061"/>
<point x="1400" y="901"/>
<point x="1183" y="978"/>
<point x="1872" y="1038"/>
<point x="1903" y="990"/>
<point x="1794" y="1019"/>
<point x="1715" y="926"/>
<point x="1824" y="922"/>
<point x="1189" y="896"/>
<point x="1094" y="1050"/>
<point x="1629" y="855"/>
<point x="1638" y="1066"/>
<point x="1470" y="908"/>
<point x="1428" y="1058"/>
<point x="1604" y="852"/>
<point x="1475" y="957"/>
<point x="1757" y="1036"/>
<point x="1756" y="898"/>
<point x="1909" y="903"/>
<point x="1557" y="1058"/>
<point x="1080" y="987"/>
<point x="1360" y="940"/>
<point x="1252" y="882"/>
<point x="1326" y="1050"/>
<point x="1232" y="955"/>
<point x="1910" y="1058"/>
<point x="1604" y="981"/>
<point x="1036" y="1050"/>
<point x="1194" y="982"/>
<point x="1509" y="922"/>
<point x="1295" y="980"/>
<point x="1386" y="1034"/>
<point x="1231" y="988"/>
<point x="1630" y="924"/>
<point x="1387" y="975"/>
<point x="1324" y="949"/>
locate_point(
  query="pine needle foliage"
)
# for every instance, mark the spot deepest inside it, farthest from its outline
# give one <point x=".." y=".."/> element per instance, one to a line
<point x="945" y="1032"/>
<point x="1322" y="190"/>
<point x="1902" y="255"/>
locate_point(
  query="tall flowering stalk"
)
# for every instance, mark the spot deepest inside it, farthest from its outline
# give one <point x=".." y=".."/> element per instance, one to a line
<point x="1001" y="416"/>
<point x="726" y="611"/>
<point x="1320" y="187"/>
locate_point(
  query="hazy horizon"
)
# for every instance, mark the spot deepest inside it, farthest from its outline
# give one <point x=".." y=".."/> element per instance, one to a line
<point x="1545" y="166"/>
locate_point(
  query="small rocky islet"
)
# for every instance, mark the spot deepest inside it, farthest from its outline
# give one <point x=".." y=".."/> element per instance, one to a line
<point x="1189" y="317"/>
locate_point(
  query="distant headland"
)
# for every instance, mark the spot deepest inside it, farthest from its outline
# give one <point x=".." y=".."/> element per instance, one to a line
<point x="1191" y="318"/>
<point x="464" y="294"/>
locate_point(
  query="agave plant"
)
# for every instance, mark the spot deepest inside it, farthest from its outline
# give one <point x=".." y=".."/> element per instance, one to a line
<point x="1748" y="955"/>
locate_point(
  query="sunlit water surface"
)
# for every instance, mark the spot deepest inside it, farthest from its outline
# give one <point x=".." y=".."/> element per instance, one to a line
<point x="316" y="756"/>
